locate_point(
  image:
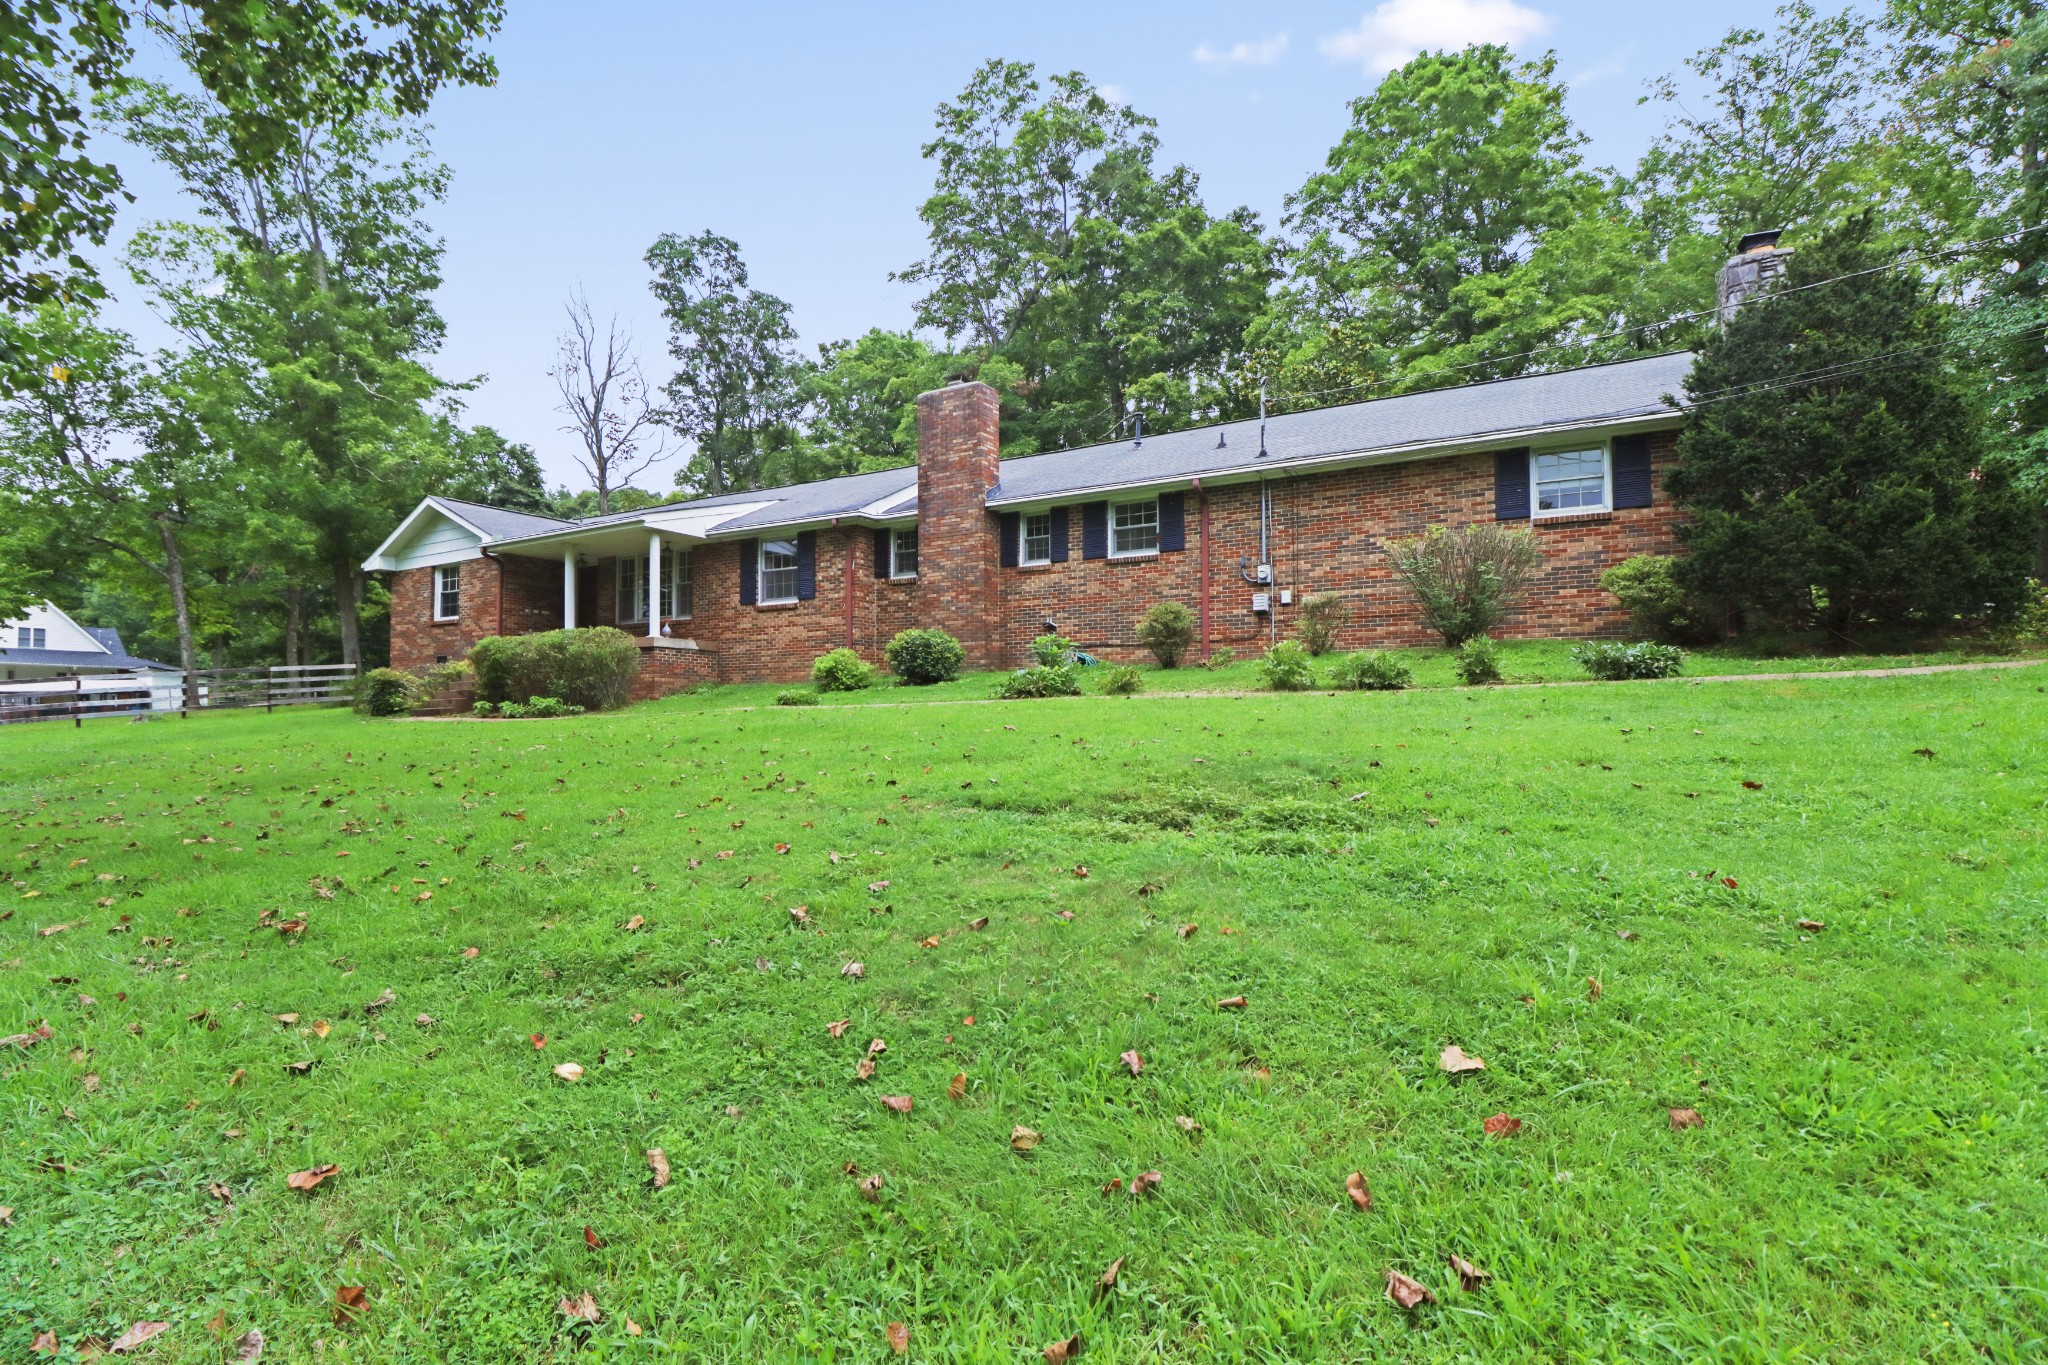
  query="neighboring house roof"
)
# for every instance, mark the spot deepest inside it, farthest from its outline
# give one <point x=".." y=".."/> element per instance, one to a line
<point x="1517" y="411"/>
<point x="107" y="636"/>
<point x="75" y="658"/>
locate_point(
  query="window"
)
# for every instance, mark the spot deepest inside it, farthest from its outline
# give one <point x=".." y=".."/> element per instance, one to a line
<point x="632" y="597"/>
<point x="1569" y="481"/>
<point x="447" y="592"/>
<point x="778" y="571"/>
<point x="903" y="552"/>
<point x="1036" y="530"/>
<point x="678" y="596"/>
<point x="32" y="637"/>
<point x="1134" y="528"/>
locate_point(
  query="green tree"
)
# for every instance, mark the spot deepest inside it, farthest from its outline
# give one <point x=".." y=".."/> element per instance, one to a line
<point x="1091" y="286"/>
<point x="1832" y="462"/>
<point x="273" y="68"/>
<point x="735" y="389"/>
<point x="862" y="400"/>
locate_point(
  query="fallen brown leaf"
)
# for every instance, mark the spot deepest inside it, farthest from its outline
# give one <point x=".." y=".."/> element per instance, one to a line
<point x="1186" y="930"/>
<point x="853" y="971"/>
<point x="1080" y="869"/>
<point x="837" y="1028"/>
<point x="1108" y="1280"/>
<point x="657" y="1162"/>
<point x="1145" y="1183"/>
<point x="632" y="1328"/>
<point x="1406" y="1293"/>
<point x="1500" y="1125"/>
<point x="1812" y="926"/>
<point x="590" y="1237"/>
<point x="958" y="1089"/>
<point x="1686" y="1118"/>
<point x="1354" y="1185"/>
<point x="249" y="1347"/>
<point x="471" y="952"/>
<point x="871" y="1188"/>
<point x="137" y="1334"/>
<point x="876" y="1047"/>
<point x="1470" y="1276"/>
<point x="900" y="1103"/>
<point x="1592" y="988"/>
<point x="220" y="1192"/>
<point x="1753" y="786"/>
<point x="539" y="1040"/>
<point x="300" y="1067"/>
<point x="371" y="1009"/>
<point x="801" y="914"/>
<point x="1116" y="1183"/>
<point x="864" y="1069"/>
<point x="1235" y="1002"/>
<point x="981" y="923"/>
<point x="633" y="924"/>
<point x="239" y="1076"/>
<point x="288" y="1020"/>
<point x="321" y="1028"/>
<point x="899" y="1337"/>
<point x="348" y="1302"/>
<point x="310" y="1179"/>
<point x="6" y="1215"/>
<point x="582" y="1308"/>
<point x="45" y="1344"/>
<point x="569" y="1071"/>
<point x="1453" y="1059"/>
<point x="423" y="1020"/>
<point x="1186" y="1124"/>
<point x="1060" y="1352"/>
<point x="1132" y="1060"/>
<point x="1023" y="1139"/>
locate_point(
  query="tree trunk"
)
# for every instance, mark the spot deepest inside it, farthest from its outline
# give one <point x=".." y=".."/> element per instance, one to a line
<point x="347" y="612"/>
<point x="294" y="622"/>
<point x="174" y="577"/>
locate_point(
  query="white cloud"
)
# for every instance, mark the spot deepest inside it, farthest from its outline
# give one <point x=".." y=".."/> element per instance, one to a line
<point x="1399" y="29"/>
<point x="1114" y="93"/>
<point x="1264" y="52"/>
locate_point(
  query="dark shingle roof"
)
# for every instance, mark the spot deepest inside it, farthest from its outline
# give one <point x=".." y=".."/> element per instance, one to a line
<point x="75" y="658"/>
<point x="499" y="524"/>
<point x="107" y="636"/>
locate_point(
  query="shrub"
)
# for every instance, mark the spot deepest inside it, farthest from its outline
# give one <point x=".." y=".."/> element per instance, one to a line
<point x="484" y="710"/>
<point x="1055" y="680"/>
<point x="551" y="706"/>
<point x="796" y="696"/>
<point x="1167" y="630"/>
<point x="1612" y="661"/>
<point x="387" y="692"/>
<point x="924" y="657"/>
<point x="1372" y="671"/>
<point x="511" y="710"/>
<point x="1122" y="681"/>
<point x="1322" y="618"/>
<point x="1477" y="662"/>
<point x="842" y="670"/>
<point x="1466" y="580"/>
<point x="591" y="667"/>
<point x="2028" y="624"/>
<point x="1648" y="588"/>
<point x="1051" y="651"/>
<point x="1286" y="668"/>
<point x="1221" y="657"/>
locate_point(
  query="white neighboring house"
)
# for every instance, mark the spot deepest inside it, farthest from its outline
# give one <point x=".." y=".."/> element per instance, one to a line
<point x="46" y="643"/>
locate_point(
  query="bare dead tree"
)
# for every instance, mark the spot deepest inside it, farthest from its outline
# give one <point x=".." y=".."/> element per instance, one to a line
<point x="606" y="400"/>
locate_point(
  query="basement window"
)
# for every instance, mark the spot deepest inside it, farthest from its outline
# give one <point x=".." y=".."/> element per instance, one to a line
<point x="1134" y="529"/>
<point x="778" y="572"/>
<point x="1569" y="482"/>
<point x="903" y="552"/>
<point x="1036" y="545"/>
<point x="447" y="592"/>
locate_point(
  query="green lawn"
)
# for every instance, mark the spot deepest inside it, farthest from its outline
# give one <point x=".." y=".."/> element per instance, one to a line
<point x="1378" y="875"/>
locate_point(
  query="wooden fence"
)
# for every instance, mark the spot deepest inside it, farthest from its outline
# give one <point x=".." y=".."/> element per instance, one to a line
<point x="80" y="698"/>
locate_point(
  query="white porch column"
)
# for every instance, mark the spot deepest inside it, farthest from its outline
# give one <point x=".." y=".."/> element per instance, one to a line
<point x="569" y="589"/>
<point x="654" y="583"/>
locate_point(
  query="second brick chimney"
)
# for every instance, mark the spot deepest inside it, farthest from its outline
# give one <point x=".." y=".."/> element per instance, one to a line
<point x="958" y="462"/>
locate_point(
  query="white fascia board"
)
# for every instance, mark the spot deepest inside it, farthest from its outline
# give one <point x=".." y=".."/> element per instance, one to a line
<point x="701" y="522"/>
<point x="1422" y="450"/>
<point x="382" y="558"/>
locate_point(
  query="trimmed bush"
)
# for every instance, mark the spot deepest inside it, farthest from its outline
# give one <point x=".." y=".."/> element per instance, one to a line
<point x="842" y="670"/>
<point x="1286" y="668"/>
<point x="1466" y="580"/>
<point x="1371" y="671"/>
<point x="1050" y="651"/>
<point x="1056" y="680"/>
<point x="1167" y="629"/>
<point x="550" y="707"/>
<point x="1122" y="681"/>
<point x="1221" y="657"/>
<point x="1612" y="661"/>
<point x="592" y="667"/>
<point x="484" y="710"/>
<point x="511" y="710"/>
<point x="796" y="696"/>
<point x="923" y="657"/>
<point x="1477" y="662"/>
<point x="1648" y="588"/>
<point x="387" y="692"/>
<point x="1322" y="618"/>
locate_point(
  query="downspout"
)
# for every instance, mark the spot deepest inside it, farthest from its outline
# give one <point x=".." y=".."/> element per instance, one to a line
<point x="846" y="557"/>
<point x="1203" y="494"/>
<point x="498" y="560"/>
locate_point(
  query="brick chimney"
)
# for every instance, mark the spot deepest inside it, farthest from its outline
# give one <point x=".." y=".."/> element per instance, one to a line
<point x="1757" y="261"/>
<point x="958" y="455"/>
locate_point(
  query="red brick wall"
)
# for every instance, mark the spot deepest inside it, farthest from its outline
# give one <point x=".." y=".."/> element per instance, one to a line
<point x="957" y="464"/>
<point x="532" y="593"/>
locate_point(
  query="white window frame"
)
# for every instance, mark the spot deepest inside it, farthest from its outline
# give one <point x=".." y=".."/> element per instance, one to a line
<point x="794" y="570"/>
<point x="1606" y="453"/>
<point x="896" y="535"/>
<point x="444" y="575"/>
<point x="678" y="586"/>
<point x="629" y="601"/>
<point x="1024" y="555"/>
<point x="1117" y="553"/>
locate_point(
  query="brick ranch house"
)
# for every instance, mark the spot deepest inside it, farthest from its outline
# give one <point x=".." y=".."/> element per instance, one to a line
<point x="752" y="586"/>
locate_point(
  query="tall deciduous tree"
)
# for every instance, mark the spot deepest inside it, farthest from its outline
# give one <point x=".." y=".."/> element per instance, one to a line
<point x="604" y="396"/>
<point x="862" y="400"/>
<point x="735" y="388"/>
<point x="1832" y="466"/>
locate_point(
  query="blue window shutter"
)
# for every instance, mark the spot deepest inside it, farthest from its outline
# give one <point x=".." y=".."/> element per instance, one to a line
<point x="806" y="565"/>
<point x="882" y="552"/>
<point x="1632" y="487"/>
<point x="1059" y="535"/>
<point x="750" y="572"/>
<point x="1095" y="530"/>
<point x="1173" y="522"/>
<point x="1006" y="553"/>
<point x="1511" y="485"/>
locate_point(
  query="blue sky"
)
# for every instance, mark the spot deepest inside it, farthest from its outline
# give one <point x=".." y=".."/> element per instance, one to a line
<point x="795" y="129"/>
